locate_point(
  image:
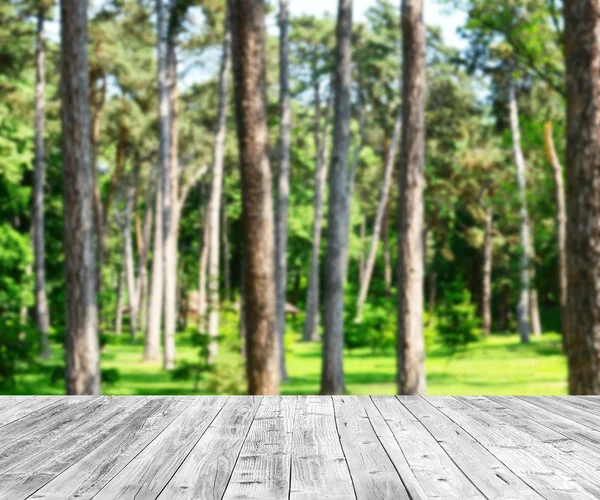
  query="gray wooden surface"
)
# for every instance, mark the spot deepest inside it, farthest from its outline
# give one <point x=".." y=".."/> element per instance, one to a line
<point x="299" y="447"/>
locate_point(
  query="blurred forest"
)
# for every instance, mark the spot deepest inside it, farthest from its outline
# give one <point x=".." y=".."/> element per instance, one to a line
<point x="184" y="213"/>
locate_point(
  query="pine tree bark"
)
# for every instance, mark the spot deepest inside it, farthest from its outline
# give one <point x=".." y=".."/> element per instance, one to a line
<point x="216" y="195"/>
<point x="523" y="307"/>
<point x="582" y="56"/>
<point x="82" y="350"/>
<point x="141" y="289"/>
<point x="534" y="308"/>
<point x="42" y="314"/>
<point x="283" y="182"/>
<point x="226" y="252"/>
<point x="362" y="234"/>
<point x="488" y="249"/>
<point x="332" y="374"/>
<point x="410" y="343"/>
<point x="310" y="332"/>
<point x="561" y="223"/>
<point x="383" y="200"/>
<point x="202" y="274"/>
<point x="248" y="37"/>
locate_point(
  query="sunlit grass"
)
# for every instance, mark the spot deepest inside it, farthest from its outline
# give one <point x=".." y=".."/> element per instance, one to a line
<point x="497" y="365"/>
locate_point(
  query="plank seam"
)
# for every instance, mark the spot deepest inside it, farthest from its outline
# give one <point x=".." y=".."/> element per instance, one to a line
<point x="241" y="447"/>
<point x="441" y="447"/>
<point x="485" y="447"/>
<point x="192" y="448"/>
<point x="342" y="447"/>
<point x="552" y="410"/>
<point x="386" y="452"/>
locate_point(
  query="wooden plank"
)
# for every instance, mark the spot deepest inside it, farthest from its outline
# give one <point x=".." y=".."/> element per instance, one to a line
<point x="550" y="480"/>
<point x="31" y="475"/>
<point x="58" y="428"/>
<point x="553" y="446"/>
<point x="561" y="407"/>
<point x="584" y="435"/>
<point x="262" y="470"/>
<point x="319" y="468"/>
<point x="580" y="403"/>
<point x="41" y="418"/>
<point x="393" y="450"/>
<point x="483" y="469"/>
<point x="26" y="407"/>
<point x="437" y="474"/>
<point x="372" y="471"/>
<point x="207" y="469"/>
<point x="90" y="474"/>
<point x="148" y="473"/>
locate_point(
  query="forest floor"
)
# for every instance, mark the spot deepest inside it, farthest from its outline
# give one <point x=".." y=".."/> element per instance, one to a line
<point x="493" y="366"/>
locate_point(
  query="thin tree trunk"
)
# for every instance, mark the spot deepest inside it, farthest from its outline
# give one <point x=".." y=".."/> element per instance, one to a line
<point x="525" y="234"/>
<point x="283" y="182"/>
<point x="226" y="252"/>
<point x="383" y="200"/>
<point x="216" y="194"/>
<point x="432" y="296"/>
<point x="152" y="340"/>
<point x="582" y="55"/>
<point x="332" y="374"/>
<point x="387" y="258"/>
<point x="488" y="248"/>
<point x="411" y="345"/>
<point x="164" y="114"/>
<point x="119" y="306"/>
<point x="561" y="224"/>
<point x="248" y="33"/>
<point x="129" y="263"/>
<point x="142" y="281"/>
<point x="311" y="322"/>
<point x="202" y="274"/>
<point x="534" y="308"/>
<point x="82" y="350"/>
<point x="171" y="251"/>
<point x="42" y="314"/>
<point x="362" y="234"/>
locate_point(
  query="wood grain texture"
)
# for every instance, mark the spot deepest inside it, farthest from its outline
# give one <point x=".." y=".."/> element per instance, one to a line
<point x="319" y="467"/>
<point x="207" y="469"/>
<point x="300" y="448"/>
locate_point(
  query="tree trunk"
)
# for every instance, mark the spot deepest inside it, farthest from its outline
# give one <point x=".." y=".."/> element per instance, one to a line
<point x="387" y="258"/>
<point x="164" y="115"/>
<point x="332" y="375"/>
<point x="82" y="350"/>
<point x="283" y="182"/>
<point x="202" y="273"/>
<point x="561" y="224"/>
<point x="488" y="248"/>
<point x="525" y="233"/>
<point x="361" y="257"/>
<point x="311" y="322"/>
<point x="216" y="195"/>
<point x="411" y="348"/>
<point x="171" y="256"/>
<point x="129" y="263"/>
<point x="42" y="315"/>
<point x="582" y="55"/>
<point x="534" y="308"/>
<point x="142" y="281"/>
<point x="226" y="252"/>
<point x="119" y="306"/>
<point x="383" y="200"/>
<point x="248" y="33"/>
<point x="152" y="340"/>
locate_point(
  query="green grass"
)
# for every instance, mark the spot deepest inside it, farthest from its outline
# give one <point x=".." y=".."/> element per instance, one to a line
<point x="497" y="365"/>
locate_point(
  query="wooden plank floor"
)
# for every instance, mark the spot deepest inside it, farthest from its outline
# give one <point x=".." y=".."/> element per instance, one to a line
<point x="300" y="448"/>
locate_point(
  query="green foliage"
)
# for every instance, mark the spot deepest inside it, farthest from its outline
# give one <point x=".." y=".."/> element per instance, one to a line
<point x="458" y="324"/>
<point x="17" y="345"/>
<point x="376" y="330"/>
